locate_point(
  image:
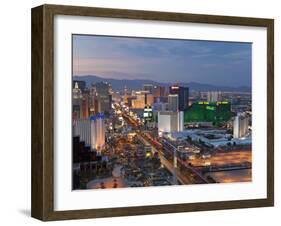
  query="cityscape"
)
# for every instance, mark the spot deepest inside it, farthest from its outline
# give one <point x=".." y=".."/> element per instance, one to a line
<point x="141" y="128"/>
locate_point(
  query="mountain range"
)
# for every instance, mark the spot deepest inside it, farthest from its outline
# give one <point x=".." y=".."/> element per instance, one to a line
<point x="118" y="84"/>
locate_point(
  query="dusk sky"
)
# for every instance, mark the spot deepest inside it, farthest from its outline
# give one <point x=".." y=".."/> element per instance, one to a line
<point x="163" y="60"/>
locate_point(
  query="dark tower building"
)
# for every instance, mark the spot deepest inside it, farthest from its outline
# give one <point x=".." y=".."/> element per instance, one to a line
<point x="104" y="97"/>
<point x="148" y="87"/>
<point x="183" y="96"/>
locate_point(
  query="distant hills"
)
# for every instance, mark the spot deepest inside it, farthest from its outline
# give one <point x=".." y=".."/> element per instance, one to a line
<point x="118" y="84"/>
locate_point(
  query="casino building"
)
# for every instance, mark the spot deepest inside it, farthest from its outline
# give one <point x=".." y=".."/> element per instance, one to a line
<point x="213" y="112"/>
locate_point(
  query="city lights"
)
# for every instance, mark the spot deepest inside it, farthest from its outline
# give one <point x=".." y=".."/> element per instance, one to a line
<point x="146" y="131"/>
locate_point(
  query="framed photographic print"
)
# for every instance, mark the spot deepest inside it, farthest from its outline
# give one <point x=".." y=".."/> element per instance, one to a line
<point x="141" y="112"/>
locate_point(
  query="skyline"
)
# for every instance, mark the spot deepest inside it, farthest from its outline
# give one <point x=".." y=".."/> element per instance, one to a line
<point x="158" y="59"/>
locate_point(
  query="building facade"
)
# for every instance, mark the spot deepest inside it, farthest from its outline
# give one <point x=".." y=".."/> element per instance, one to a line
<point x="240" y="126"/>
<point x="214" y="96"/>
<point x="104" y="96"/>
<point x="169" y="121"/>
<point x="213" y="112"/>
<point x="158" y="91"/>
<point x="173" y="102"/>
<point x="183" y="96"/>
<point x="148" y="87"/>
<point x="91" y="131"/>
<point x="142" y="99"/>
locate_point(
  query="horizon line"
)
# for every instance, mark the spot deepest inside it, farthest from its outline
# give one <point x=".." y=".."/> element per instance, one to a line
<point x="177" y="82"/>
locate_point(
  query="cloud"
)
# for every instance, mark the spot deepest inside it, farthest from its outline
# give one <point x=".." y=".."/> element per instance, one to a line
<point x="162" y="59"/>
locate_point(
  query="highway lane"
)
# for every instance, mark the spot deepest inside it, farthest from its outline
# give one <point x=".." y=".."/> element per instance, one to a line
<point x="166" y="163"/>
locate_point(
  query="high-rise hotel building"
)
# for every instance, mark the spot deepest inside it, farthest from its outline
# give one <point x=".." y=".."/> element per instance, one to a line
<point x="91" y="131"/>
<point x="240" y="125"/>
<point x="183" y="96"/>
<point x="104" y="96"/>
<point x="76" y="100"/>
<point x="173" y="102"/>
<point x="214" y="96"/>
<point x="143" y="98"/>
<point x="148" y="87"/>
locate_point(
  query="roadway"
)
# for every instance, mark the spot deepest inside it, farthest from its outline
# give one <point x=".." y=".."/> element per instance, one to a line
<point x="182" y="178"/>
<point x="166" y="163"/>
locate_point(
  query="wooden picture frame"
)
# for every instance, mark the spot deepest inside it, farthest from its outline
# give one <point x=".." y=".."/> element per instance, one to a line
<point x="43" y="117"/>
